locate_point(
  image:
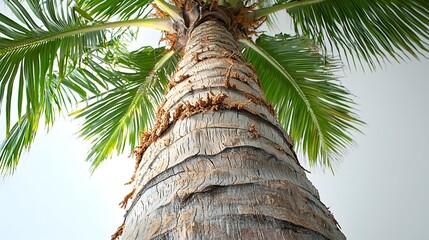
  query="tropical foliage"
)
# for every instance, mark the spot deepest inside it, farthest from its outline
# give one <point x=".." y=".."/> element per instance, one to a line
<point x="71" y="58"/>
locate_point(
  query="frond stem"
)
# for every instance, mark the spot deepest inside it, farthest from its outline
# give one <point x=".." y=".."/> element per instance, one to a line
<point x="275" y="8"/>
<point x="171" y="10"/>
<point x="157" y="23"/>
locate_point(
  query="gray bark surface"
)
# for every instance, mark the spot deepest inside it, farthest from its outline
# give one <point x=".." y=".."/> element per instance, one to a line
<point x="222" y="169"/>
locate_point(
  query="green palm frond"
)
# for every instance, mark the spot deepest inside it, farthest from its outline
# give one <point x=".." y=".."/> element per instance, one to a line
<point x="20" y="137"/>
<point x="366" y="31"/>
<point x="57" y="96"/>
<point x="39" y="47"/>
<point x="30" y="52"/>
<point x="272" y="20"/>
<point x="33" y="62"/>
<point x="106" y="9"/>
<point x="314" y="108"/>
<point x="115" y="118"/>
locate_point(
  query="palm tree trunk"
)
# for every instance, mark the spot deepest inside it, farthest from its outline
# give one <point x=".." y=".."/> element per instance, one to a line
<point x="221" y="167"/>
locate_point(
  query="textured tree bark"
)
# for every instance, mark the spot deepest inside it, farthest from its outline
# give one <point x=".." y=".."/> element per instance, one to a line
<point x="222" y="167"/>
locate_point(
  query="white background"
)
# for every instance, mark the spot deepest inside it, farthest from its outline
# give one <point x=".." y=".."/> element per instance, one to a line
<point x="379" y="191"/>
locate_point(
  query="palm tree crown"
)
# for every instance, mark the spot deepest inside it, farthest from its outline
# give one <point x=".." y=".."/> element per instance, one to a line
<point x="71" y="57"/>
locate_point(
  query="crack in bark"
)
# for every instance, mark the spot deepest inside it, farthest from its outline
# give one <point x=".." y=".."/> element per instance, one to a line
<point x="210" y="190"/>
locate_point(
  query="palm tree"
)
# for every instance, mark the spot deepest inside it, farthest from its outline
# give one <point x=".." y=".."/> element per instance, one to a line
<point x="214" y="159"/>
